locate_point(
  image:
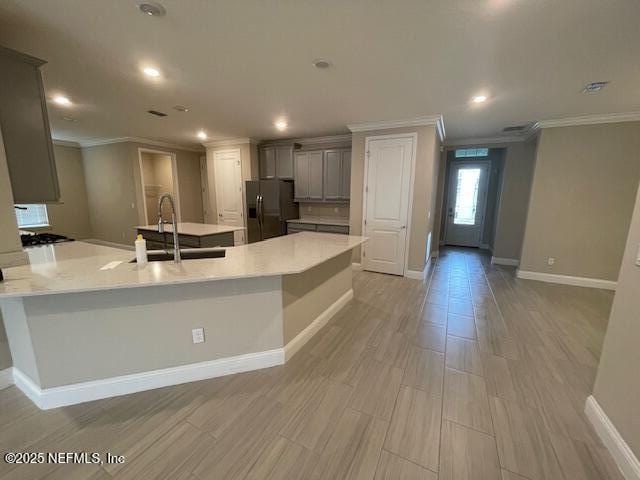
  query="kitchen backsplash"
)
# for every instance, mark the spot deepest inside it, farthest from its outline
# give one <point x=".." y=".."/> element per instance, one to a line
<point x="324" y="210"/>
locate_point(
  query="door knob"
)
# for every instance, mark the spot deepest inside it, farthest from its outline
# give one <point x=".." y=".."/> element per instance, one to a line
<point x="403" y="227"/>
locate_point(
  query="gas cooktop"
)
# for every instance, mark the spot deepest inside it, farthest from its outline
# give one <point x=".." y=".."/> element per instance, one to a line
<point x="29" y="240"/>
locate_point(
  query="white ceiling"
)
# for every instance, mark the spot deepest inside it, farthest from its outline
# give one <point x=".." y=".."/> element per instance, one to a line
<point x="240" y="64"/>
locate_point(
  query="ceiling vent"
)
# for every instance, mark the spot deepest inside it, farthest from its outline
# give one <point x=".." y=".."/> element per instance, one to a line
<point x="594" y="87"/>
<point x="514" y="128"/>
<point x="157" y="113"/>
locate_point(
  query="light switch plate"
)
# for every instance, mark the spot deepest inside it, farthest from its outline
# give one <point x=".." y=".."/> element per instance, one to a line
<point x="551" y="261"/>
<point x="198" y="335"/>
<point x="638" y="256"/>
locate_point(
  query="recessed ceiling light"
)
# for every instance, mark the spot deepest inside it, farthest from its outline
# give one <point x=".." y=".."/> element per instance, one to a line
<point x="181" y="108"/>
<point x="281" y="125"/>
<point x="202" y="135"/>
<point x="151" y="72"/>
<point x="62" y="100"/>
<point x="321" y="63"/>
<point x="594" y="87"/>
<point x="153" y="9"/>
<point x="479" y="99"/>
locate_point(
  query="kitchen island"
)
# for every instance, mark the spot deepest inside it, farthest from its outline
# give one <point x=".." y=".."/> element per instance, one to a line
<point x="83" y="323"/>
<point x="191" y="235"/>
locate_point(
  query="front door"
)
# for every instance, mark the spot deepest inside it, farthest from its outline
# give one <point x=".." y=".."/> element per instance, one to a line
<point x="387" y="184"/>
<point x="228" y="184"/>
<point x="466" y="203"/>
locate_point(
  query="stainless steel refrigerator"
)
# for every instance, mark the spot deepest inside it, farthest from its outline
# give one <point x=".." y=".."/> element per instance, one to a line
<point x="269" y="205"/>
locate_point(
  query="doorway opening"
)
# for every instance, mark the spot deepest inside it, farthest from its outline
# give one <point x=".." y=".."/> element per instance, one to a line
<point x="158" y="175"/>
<point x="472" y="188"/>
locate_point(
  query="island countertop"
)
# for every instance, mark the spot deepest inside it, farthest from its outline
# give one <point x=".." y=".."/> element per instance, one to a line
<point x="193" y="229"/>
<point x="81" y="267"/>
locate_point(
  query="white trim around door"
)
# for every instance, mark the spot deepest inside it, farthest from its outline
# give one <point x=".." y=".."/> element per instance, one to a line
<point x="174" y="178"/>
<point x="414" y="141"/>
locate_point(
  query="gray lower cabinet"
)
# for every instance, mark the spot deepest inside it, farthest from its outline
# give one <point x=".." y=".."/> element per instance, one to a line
<point x="295" y="227"/>
<point x="25" y="129"/>
<point x="322" y="175"/>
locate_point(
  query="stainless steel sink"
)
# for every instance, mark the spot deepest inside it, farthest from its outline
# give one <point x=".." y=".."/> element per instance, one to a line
<point x="194" y="254"/>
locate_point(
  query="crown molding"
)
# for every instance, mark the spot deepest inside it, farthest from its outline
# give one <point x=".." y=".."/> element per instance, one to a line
<point x="346" y="138"/>
<point x="486" y="141"/>
<point x="65" y="143"/>
<point x="226" y="142"/>
<point x="146" y="141"/>
<point x="590" y="120"/>
<point x="409" y="122"/>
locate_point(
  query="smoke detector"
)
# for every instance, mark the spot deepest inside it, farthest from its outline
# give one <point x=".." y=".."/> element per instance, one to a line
<point x="321" y="63"/>
<point x="153" y="9"/>
<point x="594" y="87"/>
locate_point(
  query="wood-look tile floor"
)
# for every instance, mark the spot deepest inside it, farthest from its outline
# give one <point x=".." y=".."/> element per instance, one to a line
<point x="470" y="375"/>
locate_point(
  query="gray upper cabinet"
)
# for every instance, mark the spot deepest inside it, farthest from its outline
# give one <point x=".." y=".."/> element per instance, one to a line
<point x="308" y="175"/>
<point x="25" y="129"/>
<point x="332" y="174"/>
<point x="276" y="161"/>
<point x="284" y="161"/>
<point x="315" y="176"/>
<point x="345" y="173"/>
<point x="301" y="175"/>
<point x="267" y="159"/>
<point x="323" y="175"/>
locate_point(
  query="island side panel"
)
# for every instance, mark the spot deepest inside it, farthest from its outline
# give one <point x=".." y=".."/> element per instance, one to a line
<point x="307" y="295"/>
<point x="19" y="338"/>
<point x="87" y="336"/>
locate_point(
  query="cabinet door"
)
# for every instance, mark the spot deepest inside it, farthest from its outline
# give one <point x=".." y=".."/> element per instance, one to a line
<point x="267" y="162"/>
<point x="315" y="175"/>
<point x="332" y="174"/>
<point x="25" y="130"/>
<point x="345" y="171"/>
<point x="301" y="175"/>
<point x="284" y="162"/>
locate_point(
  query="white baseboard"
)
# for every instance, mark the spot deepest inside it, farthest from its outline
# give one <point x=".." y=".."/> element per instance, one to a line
<point x="512" y="262"/>
<point x="108" y="244"/>
<point x="6" y="377"/>
<point x="356" y="266"/>
<point x="416" y="274"/>
<point x="291" y="348"/>
<point x="567" y="280"/>
<point x="75" y="393"/>
<point x="625" y="459"/>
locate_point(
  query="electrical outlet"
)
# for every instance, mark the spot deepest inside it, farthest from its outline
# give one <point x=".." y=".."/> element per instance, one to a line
<point x="309" y="208"/>
<point x="198" y="335"/>
<point x="638" y="257"/>
<point x="336" y="210"/>
<point x="551" y="261"/>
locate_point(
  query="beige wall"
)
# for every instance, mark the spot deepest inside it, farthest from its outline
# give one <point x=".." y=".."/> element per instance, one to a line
<point x="584" y="186"/>
<point x="617" y="386"/>
<point x="71" y="216"/>
<point x="114" y="191"/>
<point x="427" y="154"/>
<point x="514" y="199"/>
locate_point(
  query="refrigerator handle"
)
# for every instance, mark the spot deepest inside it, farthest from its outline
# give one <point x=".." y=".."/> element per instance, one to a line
<point x="260" y="214"/>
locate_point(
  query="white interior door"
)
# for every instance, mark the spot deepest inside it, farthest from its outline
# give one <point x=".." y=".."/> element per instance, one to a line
<point x="228" y="189"/>
<point x="466" y="204"/>
<point x="388" y="169"/>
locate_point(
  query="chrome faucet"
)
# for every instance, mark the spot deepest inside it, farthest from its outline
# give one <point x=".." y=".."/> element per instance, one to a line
<point x="176" y="244"/>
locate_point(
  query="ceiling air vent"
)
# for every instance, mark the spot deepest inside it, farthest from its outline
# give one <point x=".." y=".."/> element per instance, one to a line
<point x="594" y="87"/>
<point x="515" y="128"/>
<point x="157" y="113"/>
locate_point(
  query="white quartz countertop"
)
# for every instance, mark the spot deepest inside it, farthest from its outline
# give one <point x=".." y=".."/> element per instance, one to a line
<point x="81" y="267"/>
<point x="343" y="222"/>
<point x="194" y="229"/>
